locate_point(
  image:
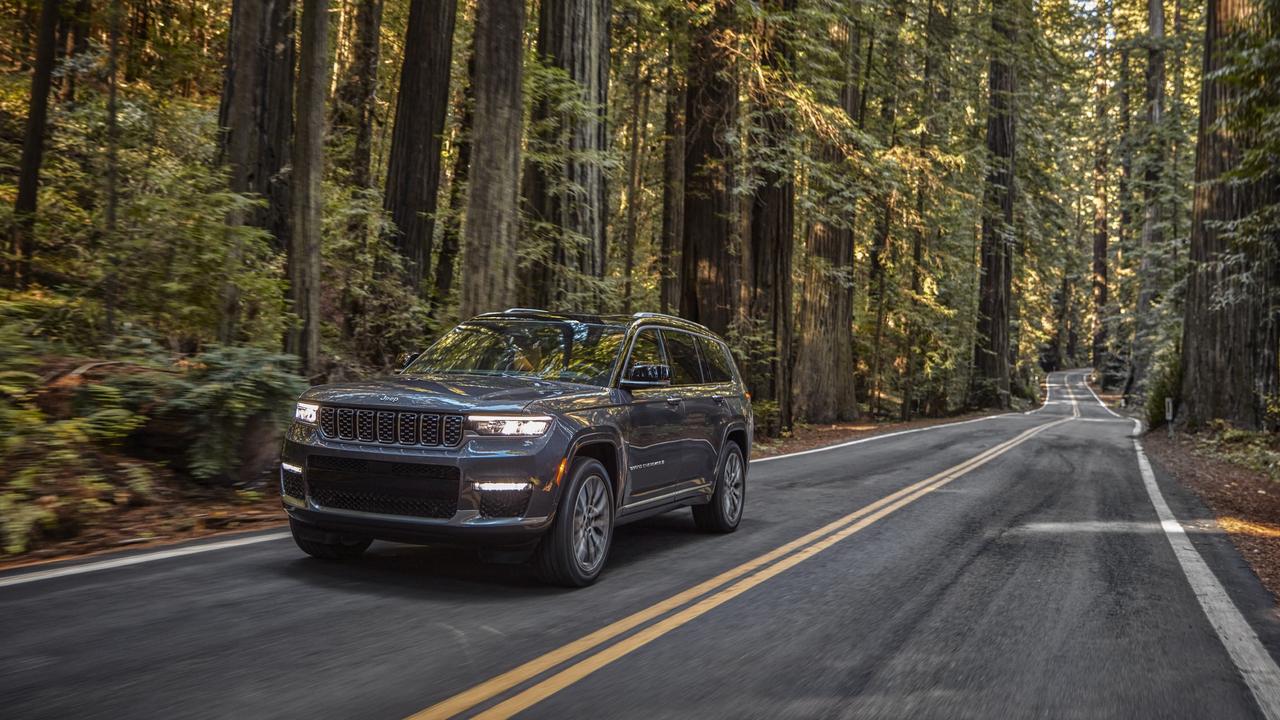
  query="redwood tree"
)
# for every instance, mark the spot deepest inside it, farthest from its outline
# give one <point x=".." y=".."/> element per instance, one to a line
<point x="990" y="386"/>
<point x="24" y="208"/>
<point x="413" y="171"/>
<point x="709" y="267"/>
<point x="489" y="251"/>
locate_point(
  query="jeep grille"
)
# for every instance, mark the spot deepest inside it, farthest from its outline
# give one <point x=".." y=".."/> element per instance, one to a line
<point x="391" y="428"/>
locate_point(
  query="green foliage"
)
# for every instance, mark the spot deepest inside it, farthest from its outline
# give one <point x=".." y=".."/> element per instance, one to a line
<point x="225" y="389"/>
<point x="1165" y="382"/>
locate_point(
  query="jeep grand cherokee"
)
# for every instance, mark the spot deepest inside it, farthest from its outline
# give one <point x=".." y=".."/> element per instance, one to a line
<point x="525" y="429"/>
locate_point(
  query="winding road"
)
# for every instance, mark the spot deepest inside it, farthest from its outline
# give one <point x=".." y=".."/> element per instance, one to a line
<point x="1020" y="565"/>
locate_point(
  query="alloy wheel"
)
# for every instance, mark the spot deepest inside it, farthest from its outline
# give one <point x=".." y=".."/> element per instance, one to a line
<point x="591" y="523"/>
<point x="734" y="488"/>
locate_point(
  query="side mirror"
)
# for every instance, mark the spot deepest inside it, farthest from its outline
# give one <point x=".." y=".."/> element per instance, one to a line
<point x="643" y="376"/>
<point x="404" y="360"/>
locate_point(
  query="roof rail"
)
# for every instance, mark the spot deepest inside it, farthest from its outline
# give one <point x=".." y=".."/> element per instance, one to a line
<point x="674" y="318"/>
<point x="538" y="311"/>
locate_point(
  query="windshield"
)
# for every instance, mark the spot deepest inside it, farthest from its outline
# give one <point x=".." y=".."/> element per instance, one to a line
<point x="553" y="350"/>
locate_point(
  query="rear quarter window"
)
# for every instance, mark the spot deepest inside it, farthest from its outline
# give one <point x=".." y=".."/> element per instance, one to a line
<point x="682" y="349"/>
<point x="715" y="357"/>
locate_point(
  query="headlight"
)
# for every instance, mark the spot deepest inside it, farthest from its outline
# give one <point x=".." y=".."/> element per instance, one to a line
<point x="306" y="413"/>
<point x="509" y="425"/>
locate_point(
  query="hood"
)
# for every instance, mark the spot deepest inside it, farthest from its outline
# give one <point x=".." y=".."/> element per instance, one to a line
<point x="458" y="393"/>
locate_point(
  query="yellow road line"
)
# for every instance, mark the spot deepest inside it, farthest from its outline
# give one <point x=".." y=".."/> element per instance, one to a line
<point x="860" y="518"/>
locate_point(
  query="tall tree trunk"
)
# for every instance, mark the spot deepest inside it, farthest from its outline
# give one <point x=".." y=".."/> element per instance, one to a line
<point x="672" y="174"/>
<point x="489" y="253"/>
<point x="77" y="44"/>
<point x="824" y="368"/>
<point x="773" y="223"/>
<point x="308" y="171"/>
<point x="937" y="56"/>
<point x="1152" y="217"/>
<point x="413" y="170"/>
<point x="887" y="202"/>
<point x="24" y="207"/>
<point x="573" y="35"/>
<point x="639" y="125"/>
<point x="356" y="96"/>
<point x="257" y="120"/>
<point x="1100" y="229"/>
<point x="990" y="385"/>
<point x="708" y="264"/>
<point x="113" y="165"/>
<point x="1229" y="359"/>
<point x="452" y="230"/>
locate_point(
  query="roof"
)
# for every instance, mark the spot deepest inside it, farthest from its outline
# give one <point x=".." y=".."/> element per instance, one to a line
<point x="603" y="319"/>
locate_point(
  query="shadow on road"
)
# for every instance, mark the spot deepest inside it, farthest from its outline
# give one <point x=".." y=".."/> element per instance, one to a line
<point x="444" y="571"/>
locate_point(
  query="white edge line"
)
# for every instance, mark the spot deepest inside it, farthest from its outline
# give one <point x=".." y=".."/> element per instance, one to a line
<point x="1095" y="397"/>
<point x="1255" y="664"/>
<point x="879" y="437"/>
<point x="136" y="559"/>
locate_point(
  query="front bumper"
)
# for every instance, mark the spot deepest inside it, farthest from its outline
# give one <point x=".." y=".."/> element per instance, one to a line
<point x="478" y="516"/>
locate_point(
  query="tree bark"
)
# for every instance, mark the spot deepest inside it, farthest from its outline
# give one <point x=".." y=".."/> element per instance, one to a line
<point x="990" y="385"/>
<point x="257" y="120"/>
<point x="708" y="264"/>
<point x="308" y="171"/>
<point x="413" y="171"/>
<point x="639" y="125"/>
<point x="489" y="253"/>
<point x="1152" y="217"/>
<point x="356" y="96"/>
<point x="824" y="368"/>
<point x="672" y="175"/>
<point x="773" y="225"/>
<point x="573" y="35"/>
<point x="452" y="230"/>
<point x="24" y="208"/>
<point x="1100" y="227"/>
<point x="1229" y="361"/>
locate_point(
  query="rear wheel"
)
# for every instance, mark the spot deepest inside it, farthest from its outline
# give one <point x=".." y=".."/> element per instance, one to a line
<point x="573" y="551"/>
<point x="724" y="512"/>
<point x="343" y="549"/>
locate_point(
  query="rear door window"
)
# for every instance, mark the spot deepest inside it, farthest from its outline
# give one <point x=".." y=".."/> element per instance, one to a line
<point x="686" y="366"/>
<point x="715" y="358"/>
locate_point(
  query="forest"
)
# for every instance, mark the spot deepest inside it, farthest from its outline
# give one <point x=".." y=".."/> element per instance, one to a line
<point x="890" y="209"/>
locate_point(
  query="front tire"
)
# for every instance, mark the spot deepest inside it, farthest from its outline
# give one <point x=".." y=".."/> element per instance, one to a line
<point x="344" y="550"/>
<point x="724" y="512"/>
<point x="573" y="551"/>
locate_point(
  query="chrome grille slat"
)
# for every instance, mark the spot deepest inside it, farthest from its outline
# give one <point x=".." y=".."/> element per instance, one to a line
<point x="388" y="427"/>
<point x="407" y="433"/>
<point x="430" y="429"/>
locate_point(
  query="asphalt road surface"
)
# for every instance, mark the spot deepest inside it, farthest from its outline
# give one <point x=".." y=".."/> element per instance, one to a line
<point x="1017" y="566"/>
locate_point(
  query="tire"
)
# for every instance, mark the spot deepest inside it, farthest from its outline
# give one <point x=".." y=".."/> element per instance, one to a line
<point x="346" y="550"/>
<point x="573" y="552"/>
<point x="724" y="512"/>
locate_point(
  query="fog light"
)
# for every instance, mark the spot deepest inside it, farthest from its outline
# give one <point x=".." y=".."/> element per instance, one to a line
<point x="500" y="486"/>
<point x="291" y="468"/>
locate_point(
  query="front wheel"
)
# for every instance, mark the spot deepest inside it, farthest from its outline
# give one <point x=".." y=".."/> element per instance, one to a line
<point x="724" y="512"/>
<point x="573" y="551"/>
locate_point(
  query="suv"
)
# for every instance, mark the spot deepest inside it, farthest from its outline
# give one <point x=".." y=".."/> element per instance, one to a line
<point x="524" y="429"/>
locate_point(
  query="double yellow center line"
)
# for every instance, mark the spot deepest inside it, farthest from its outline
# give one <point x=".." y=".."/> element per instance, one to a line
<point x="764" y="567"/>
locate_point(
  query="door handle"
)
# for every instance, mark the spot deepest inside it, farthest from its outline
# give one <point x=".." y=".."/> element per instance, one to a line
<point x="675" y="400"/>
<point x="718" y="398"/>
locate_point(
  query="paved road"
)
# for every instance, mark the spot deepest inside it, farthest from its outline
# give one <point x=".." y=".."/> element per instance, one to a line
<point x="1009" y="567"/>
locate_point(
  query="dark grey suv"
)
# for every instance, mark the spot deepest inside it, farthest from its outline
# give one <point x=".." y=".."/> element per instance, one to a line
<point x="524" y="429"/>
